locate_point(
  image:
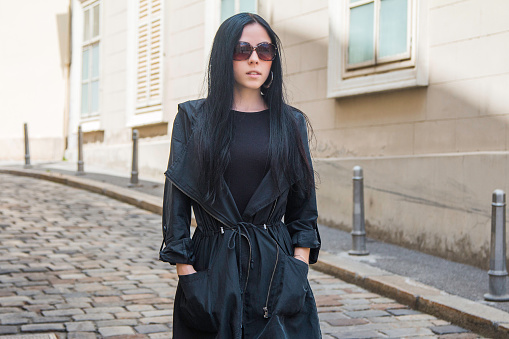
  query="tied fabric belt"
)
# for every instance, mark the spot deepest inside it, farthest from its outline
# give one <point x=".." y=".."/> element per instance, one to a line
<point x="241" y="229"/>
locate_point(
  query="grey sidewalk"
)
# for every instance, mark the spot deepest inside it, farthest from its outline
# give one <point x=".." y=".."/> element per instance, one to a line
<point x="398" y="265"/>
<point x="82" y="265"/>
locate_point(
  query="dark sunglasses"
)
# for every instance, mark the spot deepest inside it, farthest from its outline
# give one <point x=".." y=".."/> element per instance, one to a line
<point x="265" y="51"/>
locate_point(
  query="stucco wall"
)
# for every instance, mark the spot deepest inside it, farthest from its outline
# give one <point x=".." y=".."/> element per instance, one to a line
<point x="432" y="155"/>
<point x="439" y="204"/>
<point x="33" y="68"/>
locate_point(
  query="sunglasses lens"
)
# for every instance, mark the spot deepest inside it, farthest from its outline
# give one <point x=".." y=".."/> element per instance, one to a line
<point x="266" y="52"/>
<point x="242" y="51"/>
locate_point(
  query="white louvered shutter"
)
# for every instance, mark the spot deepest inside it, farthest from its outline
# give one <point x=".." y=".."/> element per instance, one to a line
<point x="148" y="87"/>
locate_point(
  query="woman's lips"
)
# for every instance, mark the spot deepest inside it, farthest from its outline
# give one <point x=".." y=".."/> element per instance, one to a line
<point x="253" y="74"/>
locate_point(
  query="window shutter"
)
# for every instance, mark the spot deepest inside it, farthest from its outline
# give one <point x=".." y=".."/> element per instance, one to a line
<point x="148" y="87"/>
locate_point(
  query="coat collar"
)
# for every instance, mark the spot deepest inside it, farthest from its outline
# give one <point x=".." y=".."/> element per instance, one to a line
<point x="185" y="175"/>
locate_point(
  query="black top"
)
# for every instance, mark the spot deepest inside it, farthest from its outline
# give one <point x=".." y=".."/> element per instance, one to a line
<point x="249" y="150"/>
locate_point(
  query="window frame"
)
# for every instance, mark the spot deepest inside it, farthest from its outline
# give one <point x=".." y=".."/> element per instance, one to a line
<point x="88" y="45"/>
<point x="137" y="113"/>
<point x="376" y="60"/>
<point x="409" y="69"/>
<point x="150" y="105"/>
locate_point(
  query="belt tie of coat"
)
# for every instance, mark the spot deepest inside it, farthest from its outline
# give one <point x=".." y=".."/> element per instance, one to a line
<point x="237" y="233"/>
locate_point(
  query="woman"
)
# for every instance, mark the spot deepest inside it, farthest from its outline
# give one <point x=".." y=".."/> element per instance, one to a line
<point x="240" y="159"/>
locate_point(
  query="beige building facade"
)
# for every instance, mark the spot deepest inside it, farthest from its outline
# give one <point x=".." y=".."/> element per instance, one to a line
<point x="414" y="91"/>
<point x="34" y="68"/>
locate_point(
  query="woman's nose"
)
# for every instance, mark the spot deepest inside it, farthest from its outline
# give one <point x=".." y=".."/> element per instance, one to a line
<point x="253" y="58"/>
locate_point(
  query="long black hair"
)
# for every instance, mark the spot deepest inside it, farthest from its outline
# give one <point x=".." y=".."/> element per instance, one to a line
<point x="286" y="149"/>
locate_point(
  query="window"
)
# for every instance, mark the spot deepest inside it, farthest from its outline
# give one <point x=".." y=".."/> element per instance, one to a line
<point x="144" y="73"/>
<point x="231" y="7"/>
<point x="376" y="45"/>
<point x="90" y="61"/>
<point x="378" y="32"/>
<point x="149" y="54"/>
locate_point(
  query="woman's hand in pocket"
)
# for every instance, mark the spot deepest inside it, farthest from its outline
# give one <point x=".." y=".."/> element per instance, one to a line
<point x="301" y="253"/>
<point x="185" y="269"/>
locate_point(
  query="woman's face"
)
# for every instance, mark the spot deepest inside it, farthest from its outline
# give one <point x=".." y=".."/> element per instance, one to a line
<point x="253" y="72"/>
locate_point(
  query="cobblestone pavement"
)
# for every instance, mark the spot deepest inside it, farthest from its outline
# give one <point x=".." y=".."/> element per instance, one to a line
<point x="82" y="265"/>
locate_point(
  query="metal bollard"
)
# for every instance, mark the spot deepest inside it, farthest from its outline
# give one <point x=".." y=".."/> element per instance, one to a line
<point x="358" y="228"/>
<point x="498" y="269"/>
<point x="80" y="153"/>
<point x="134" y="171"/>
<point x="27" y="148"/>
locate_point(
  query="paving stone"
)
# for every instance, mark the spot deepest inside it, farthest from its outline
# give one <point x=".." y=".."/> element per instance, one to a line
<point x="93" y="316"/>
<point x="140" y="308"/>
<point x="138" y="296"/>
<point x="38" y="308"/>
<point x="14" y="300"/>
<point x="367" y="314"/>
<point x="117" y="322"/>
<point x="347" y="322"/>
<point x="8" y="329"/>
<point x="104" y="310"/>
<point x="356" y="335"/>
<point x="365" y="307"/>
<point x="157" y="313"/>
<point x="447" y="329"/>
<point x="151" y="328"/>
<point x="115" y="330"/>
<point x="5" y="310"/>
<point x="81" y="335"/>
<point x="416" y="317"/>
<point x="459" y="336"/>
<point x="40" y="319"/>
<point x="80" y="326"/>
<point x="402" y="311"/>
<point x="161" y="335"/>
<point x="43" y="327"/>
<point x="64" y="312"/>
<point x="107" y="300"/>
<point x="407" y="332"/>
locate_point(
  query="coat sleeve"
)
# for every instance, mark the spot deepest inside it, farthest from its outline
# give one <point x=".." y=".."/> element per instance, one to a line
<point x="176" y="219"/>
<point x="301" y="211"/>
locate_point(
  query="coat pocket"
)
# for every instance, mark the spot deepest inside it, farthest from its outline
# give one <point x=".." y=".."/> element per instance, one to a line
<point x="294" y="287"/>
<point x="198" y="303"/>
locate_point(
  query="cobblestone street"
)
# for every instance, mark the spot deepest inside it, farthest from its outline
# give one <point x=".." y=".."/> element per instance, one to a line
<point x="82" y="265"/>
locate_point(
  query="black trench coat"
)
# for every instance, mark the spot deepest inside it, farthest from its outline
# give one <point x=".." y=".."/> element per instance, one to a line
<point x="247" y="280"/>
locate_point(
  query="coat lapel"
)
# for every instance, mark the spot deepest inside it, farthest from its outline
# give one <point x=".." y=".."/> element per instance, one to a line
<point x="185" y="175"/>
<point x="266" y="193"/>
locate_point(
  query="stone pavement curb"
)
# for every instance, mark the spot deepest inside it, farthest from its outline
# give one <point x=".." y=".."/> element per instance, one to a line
<point x="138" y="199"/>
<point x="474" y="316"/>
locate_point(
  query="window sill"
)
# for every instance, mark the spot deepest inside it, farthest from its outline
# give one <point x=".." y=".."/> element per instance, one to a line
<point x="405" y="78"/>
<point x="90" y="124"/>
<point x="146" y="116"/>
